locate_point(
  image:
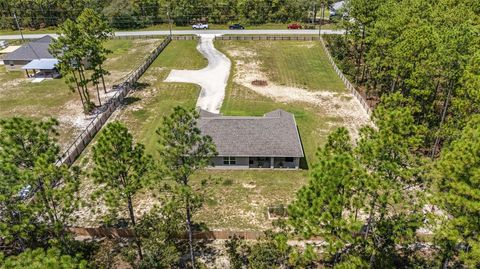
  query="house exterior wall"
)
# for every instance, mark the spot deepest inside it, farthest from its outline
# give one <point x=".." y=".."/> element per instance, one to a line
<point x="241" y="163"/>
<point x="282" y="162"/>
<point x="244" y="163"/>
<point x="12" y="65"/>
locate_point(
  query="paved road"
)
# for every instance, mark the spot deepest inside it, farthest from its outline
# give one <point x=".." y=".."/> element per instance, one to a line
<point x="192" y="32"/>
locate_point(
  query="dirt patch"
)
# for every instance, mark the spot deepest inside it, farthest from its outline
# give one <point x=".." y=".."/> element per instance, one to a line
<point x="342" y="105"/>
<point x="258" y="82"/>
<point x="250" y="185"/>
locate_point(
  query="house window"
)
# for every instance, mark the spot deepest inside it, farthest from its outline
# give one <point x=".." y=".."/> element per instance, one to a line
<point x="229" y="160"/>
<point x="289" y="159"/>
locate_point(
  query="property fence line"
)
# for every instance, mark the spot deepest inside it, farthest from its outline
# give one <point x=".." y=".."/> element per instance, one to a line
<point x="174" y="37"/>
<point x="185" y="37"/>
<point x="128" y="233"/>
<point x="205" y="235"/>
<point x="82" y="140"/>
<point x="347" y="83"/>
<point x="268" y="37"/>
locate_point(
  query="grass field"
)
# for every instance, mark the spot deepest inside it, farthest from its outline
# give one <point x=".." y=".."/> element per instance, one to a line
<point x="237" y="199"/>
<point x="291" y="63"/>
<point x="52" y="98"/>
<point x="157" y="98"/>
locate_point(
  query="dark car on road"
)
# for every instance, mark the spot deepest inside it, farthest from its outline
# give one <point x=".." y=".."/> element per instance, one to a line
<point x="294" y="26"/>
<point x="236" y="26"/>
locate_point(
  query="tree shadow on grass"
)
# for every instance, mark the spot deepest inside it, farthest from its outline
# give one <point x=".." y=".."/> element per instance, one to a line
<point x="130" y="100"/>
<point x="138" y="86"/>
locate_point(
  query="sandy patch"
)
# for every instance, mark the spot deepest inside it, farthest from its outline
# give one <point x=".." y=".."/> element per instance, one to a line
<point x="342" y="105"/>
<point x="250" y="185"/>
<point x="213" y="78"/>
<point x="12" y="83"/>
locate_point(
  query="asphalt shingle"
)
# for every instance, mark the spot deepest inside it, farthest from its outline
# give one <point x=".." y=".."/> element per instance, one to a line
<point x="37" y="49"/>
<point x="273" y="135"/>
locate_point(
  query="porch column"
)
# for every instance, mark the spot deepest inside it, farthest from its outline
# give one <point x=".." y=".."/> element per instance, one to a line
<point x="272" y="162"/>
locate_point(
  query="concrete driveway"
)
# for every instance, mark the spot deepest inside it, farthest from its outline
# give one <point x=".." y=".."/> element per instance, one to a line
<point x="213" y="78"/>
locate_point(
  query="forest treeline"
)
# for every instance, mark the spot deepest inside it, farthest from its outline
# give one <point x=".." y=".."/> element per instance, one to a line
<point x="427" y="50"/>
<point x="140" y="13"/>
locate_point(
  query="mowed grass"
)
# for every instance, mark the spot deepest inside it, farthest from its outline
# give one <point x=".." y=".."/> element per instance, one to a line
<point x="301" y="64"/>
<point x="52" y="98"/>
<point x="238" y="200"/>
<point x="155" y="98"/>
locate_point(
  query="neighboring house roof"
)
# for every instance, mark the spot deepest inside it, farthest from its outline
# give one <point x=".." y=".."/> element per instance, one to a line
<point x="273" y="135"/>
<point x="37" y="49"/>
<point x="3" y="43"/>
<point x="41" y="64"/>
<point x="337" y="5"/>
<point x="9" y="49"/>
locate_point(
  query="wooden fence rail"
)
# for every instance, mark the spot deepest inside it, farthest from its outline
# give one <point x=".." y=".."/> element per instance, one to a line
<point x="205" y="235"/>
<point x="128" y="233"/>
<point x="347" y="83"/>
<point x="81" y="142"/>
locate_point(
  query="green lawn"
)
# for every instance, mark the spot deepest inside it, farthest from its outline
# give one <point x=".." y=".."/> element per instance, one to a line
<point x="238" y="200"/>
<point x="52" y="98"/>
<point x="301" y="64"/>
<point x="157" y="98"/>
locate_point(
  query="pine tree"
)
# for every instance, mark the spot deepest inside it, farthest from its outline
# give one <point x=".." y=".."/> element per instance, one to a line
<point x="183" y="151"/>
<point x="37" y="194"/>
<point x="457" y="178"/>
<point x="329" y="205"/>
<point x="121" y="170"/>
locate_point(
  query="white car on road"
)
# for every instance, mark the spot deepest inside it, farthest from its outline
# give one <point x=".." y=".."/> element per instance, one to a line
<point x="200" y="26"/>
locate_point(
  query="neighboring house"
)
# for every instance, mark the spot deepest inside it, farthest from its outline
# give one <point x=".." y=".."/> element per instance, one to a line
<point x="34" y="50"/>
<point x="6" y="51"/>
<point x="3" y="44"/>
<point x="271" y="141"/>
<point x="337" y="9"/>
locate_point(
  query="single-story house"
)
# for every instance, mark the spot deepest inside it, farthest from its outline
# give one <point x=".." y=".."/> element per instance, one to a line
<point x="6" y="51"/>
<point x="34" y="50"/>
<point x="270" y="141"/>
<point x="337" y="9"/>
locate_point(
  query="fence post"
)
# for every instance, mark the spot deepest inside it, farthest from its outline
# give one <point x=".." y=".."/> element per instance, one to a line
<point x="81" y="142"/>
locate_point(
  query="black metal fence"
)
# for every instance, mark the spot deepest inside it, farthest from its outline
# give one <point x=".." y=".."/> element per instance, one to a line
<point x="267" y="37"/>
<point x="81" y="142"/>
<point x="174" y="37"/>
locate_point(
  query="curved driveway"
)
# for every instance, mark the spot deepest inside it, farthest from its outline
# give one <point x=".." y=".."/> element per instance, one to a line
<point x="213" y="78"/>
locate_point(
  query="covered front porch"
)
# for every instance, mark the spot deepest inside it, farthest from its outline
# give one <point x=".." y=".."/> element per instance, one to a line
<point x="274" y="162"/>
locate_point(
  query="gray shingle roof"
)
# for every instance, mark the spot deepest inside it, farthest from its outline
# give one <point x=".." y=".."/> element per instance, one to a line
<point x="37" y="49"/>
<point x="273" y="135"/>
